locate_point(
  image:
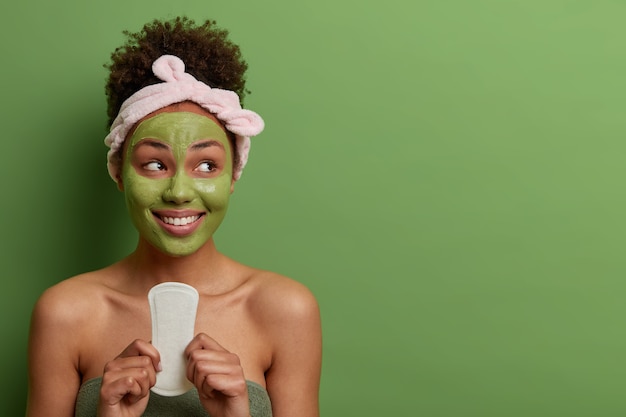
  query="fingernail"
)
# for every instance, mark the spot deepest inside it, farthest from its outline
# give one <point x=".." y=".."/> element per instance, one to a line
<point x="159" y="367"/>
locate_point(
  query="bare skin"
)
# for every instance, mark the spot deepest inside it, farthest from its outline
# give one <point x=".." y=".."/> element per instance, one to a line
<point x="251" y="325"/>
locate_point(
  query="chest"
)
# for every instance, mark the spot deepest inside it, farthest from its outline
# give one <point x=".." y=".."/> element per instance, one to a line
<point x="227" y="321"/>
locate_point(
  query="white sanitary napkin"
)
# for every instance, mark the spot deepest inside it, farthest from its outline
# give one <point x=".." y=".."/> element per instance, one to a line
<point x="173" y="307"/>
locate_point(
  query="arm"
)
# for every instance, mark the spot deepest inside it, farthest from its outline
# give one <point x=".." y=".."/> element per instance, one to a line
<point x="294" y="375"/>
<point x="53" y="373"/>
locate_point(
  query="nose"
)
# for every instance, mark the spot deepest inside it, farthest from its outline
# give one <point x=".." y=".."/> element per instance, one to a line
<point x="180" y="189"/>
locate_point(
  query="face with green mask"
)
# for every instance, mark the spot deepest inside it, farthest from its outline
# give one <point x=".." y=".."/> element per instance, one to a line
<point x="177" y="179"/>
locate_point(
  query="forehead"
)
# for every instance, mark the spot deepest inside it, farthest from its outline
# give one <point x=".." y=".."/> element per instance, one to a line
<point x="179" y="129"/>
<point x="185" y="106"/>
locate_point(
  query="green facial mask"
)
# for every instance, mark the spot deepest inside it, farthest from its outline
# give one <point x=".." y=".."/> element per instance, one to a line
<point x="175" y="200"/>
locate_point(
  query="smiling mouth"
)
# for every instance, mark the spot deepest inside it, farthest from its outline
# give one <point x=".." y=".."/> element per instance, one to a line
<point x="179" y="221"/>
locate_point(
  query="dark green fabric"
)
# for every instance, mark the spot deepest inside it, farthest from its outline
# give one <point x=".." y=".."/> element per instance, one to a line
<point x="186" y="405"/>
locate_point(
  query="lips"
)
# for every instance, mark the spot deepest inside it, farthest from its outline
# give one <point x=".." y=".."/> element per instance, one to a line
<point x="178" y="223"/>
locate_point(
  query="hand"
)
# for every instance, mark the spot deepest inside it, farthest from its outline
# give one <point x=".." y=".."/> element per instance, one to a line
<point x="127" y="381"/>
<point x="218" y="376"/>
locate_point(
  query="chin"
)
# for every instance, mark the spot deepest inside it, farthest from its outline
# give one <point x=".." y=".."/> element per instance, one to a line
<point x="178" y="251"/>
<point x="179" y="246"/>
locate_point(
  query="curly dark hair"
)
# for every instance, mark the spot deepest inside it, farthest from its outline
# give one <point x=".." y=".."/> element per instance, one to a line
<point x="205" y="49"/>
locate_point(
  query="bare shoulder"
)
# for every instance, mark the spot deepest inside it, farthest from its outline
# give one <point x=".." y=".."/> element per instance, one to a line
<point x="288" y="313"/>
<point x="282" y="300"/>
<point x="70" y="301"/>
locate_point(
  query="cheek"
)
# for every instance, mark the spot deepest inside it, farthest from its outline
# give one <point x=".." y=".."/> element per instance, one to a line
<point x="216" y="193"/>
<point x="142" y="194"/>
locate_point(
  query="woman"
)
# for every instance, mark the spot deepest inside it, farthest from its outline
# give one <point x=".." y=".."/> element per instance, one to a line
<point x="178" y="144"/>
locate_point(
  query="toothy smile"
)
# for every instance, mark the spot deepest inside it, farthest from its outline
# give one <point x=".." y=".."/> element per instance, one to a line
<point x="179" y="221"/>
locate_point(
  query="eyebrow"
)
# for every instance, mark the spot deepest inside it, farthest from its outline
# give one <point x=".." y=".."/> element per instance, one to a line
<point x="205" y="144"/>
<point x="152" y="143"/>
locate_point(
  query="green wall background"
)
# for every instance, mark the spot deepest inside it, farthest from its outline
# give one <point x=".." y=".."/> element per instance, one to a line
<point x="445" y="175"/>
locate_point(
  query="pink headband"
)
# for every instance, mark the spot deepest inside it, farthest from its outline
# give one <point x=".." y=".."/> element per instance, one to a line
<point x="178" y="86"/>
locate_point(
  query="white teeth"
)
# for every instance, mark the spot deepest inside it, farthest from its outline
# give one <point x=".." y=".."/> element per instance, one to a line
<point x="180" y="221"/>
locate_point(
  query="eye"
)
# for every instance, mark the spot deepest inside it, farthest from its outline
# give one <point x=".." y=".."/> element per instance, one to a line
<point x="206" y="166"/>
<point x="154" y="166"/>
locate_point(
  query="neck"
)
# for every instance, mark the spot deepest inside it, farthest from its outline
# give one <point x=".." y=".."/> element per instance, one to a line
<point x="204" y="269"/>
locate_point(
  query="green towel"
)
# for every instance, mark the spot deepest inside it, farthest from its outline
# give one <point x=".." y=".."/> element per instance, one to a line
<point x="186" y="405"/>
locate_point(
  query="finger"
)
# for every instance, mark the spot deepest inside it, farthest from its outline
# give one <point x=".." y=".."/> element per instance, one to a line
<point x="203" y="362"/>
<point x="142" y="348"/>
<point x="138" y="362"/>
<point x="208" y="366"/>
<point x="198" y="372"/>
<point x="229" y="385"/>
<point x="203" y="341"/>
<point x="134" y="384"/>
